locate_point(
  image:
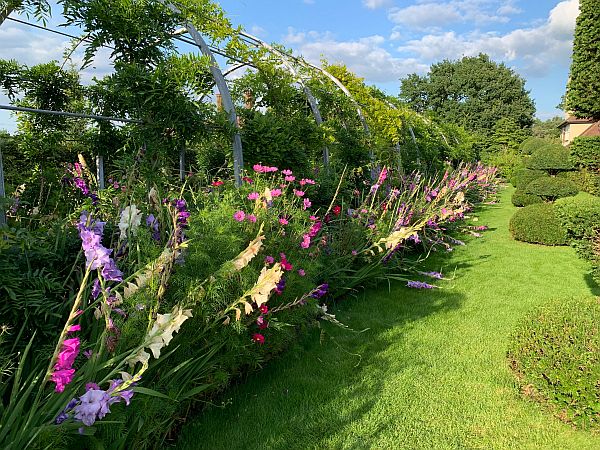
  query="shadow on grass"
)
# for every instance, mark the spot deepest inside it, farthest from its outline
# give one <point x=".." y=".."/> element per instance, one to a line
<point x="594" y="288"/>
<point x="331" y="379"/>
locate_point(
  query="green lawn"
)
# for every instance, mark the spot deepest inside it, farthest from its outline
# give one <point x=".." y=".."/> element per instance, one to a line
<point x="431" y="371"/>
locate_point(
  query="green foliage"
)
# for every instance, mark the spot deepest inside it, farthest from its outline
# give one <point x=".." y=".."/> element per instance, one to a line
<point x="547" y="129"/>
<point x="585" y="180"/>
<point x="580" y="217"/>
<point x="531" y="144"/>
<point x="523" y="176"/>
<point x="507" y="135"/>
<point x="555" y="354"/>
<point x="552" y="158"/>
<point x="585" y="152"/>
<point x="474" y="92"/>
<point x="582" y="90"/>
<point x="290" y="142"/>
<point x="521" y="198"/>
<point x="537" y="224"/>
<point x="551" y="188"/>
<point x="507" y="161"/>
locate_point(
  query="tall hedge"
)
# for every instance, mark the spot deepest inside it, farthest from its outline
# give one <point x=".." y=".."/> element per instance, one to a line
<point x="552" y="158"/>
<point x="582" y="97"/>
<point x="551" y="188"/>
<point x="531" y="144"/>
<point x="585" y="152"/>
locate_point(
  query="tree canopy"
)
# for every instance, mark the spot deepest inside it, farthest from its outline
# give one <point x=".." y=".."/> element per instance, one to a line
<point x="584" y="84"/>
<point x="474" y="92"/>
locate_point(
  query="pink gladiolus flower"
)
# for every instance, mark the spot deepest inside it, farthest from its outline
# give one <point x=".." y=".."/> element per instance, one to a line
<point x="239" y="216"/>
<point x="298" y="193"/>
<point x="301" y="272"/>
<point x="248" y="180"/>
<point x="286" y="172"/>
<point x="304" y="181"/>
<point x="275" y="193"/>
<point x="251" y="218"/>
<point x="313" y="218"/>
<point x="306" y="204"/>
<point x="283" y="221"/>
<point x="253" y="196"/>
<point x="264" y="309"/>
<point x="257" y="337"/>
<point x="61" y="378"/>
<point x="259" y="168"/>
<point x="290" y="178"/>
<point x="269" y="260"/>
<point x="74" y="328"/>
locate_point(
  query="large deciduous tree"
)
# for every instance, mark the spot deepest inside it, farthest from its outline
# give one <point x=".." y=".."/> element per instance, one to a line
<point x="583" y="90"/>
<point x="474" y="92"/>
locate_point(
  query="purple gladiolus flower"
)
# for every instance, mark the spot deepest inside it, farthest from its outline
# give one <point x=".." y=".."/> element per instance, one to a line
<point x="420" y="285"/>
<point x="436" y="275"/>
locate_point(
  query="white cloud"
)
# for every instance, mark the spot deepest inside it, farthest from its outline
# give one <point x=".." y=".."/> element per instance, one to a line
<point x="365" y="56"/>
<point x="374" y="4"/>
<point x="430" y="14"/>
<point x="536" y="50"/>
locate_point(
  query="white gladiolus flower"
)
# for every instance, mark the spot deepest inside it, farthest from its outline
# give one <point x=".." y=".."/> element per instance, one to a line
<point x="131" y="217"/>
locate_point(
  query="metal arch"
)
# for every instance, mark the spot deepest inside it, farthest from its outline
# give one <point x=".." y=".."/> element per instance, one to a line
<point x="312" y="101"/>
<point x="228" y="106"/>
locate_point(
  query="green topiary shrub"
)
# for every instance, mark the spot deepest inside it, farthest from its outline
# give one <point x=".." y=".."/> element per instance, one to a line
<point x="585" y="152"/>
<point x="530" y="145"/>
<point x="551" y="188"/>
<point x="537" y="224"/>
<point x="523" y="176"/>
<point x="580" y="218"/>
<point x="552" y="158"/>
<point x="555" y="354"/>
<point x="520" y="198"/>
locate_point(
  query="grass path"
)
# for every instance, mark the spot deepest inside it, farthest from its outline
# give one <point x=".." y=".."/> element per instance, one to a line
<point x="430" y="373"/>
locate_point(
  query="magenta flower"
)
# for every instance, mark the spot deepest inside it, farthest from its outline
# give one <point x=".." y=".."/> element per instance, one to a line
<point x="259" y="338"/>
<point x="253" y="196"/>
<point x="290" y="178"/>
<point x="239" y="216"/>
<point x="283" y="221"/>
<point x="306" y="204"/>
<point x="305" y="241"/>
<point x="313" y="218"/>
<point x="74" y="328"/>
<point x="269" y="260"/>
<point x="286" y="172"/>
<point x="275" y="193"/>
<point x="298" y="193"/>
<point x="301" y="272"/>
<point x="264" y="309"/>
<point x="251" y="218"/>
<point x="61" y="378"/>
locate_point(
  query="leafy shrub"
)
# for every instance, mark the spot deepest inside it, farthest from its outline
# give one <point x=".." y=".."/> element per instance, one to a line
<point x="552" y="158"/>
<point x="521" y="198"/>
<point x="537" y="224"/>
<point x="585" y="152"/>
<point x="556" y="356"/>
<point x="580" y="217"/>
<point x="530" y="145"/>
<point x="551" y="188"/>
<point x="585" y="179"/>
<point x="523" y="176"/>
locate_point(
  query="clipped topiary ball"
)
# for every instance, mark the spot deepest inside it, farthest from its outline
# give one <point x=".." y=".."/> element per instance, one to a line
<point x="523" y="176"/>
<point x="537" y="224"/>
<point x="530" y="145"/>
<point x="552" y="188"/>
<point x="552" y="158"/>
<point x="520" y="198"/>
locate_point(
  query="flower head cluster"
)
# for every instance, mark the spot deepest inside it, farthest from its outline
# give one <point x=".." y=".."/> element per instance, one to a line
<point x="131" y="217"/>
<point x="320" y="291"/>
<point x="95" y="403"/>
<point x="63" y="369"/>
<point x="264" y="169"/>
<point x="420" y="285"/>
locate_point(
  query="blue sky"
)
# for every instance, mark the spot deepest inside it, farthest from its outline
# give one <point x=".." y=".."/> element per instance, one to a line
<point x="383" y="40"/>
